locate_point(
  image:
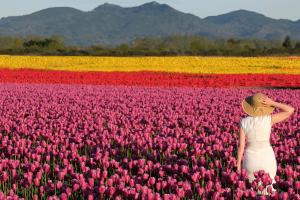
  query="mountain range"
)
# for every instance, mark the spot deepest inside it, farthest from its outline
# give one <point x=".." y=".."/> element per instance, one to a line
<point x="111" y="24"/>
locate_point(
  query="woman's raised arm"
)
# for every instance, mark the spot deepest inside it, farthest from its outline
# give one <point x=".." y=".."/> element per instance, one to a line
<point x="278" y="117"/>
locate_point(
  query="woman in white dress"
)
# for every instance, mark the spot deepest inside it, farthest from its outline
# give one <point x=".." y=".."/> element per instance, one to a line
<point x="255" y="130"/>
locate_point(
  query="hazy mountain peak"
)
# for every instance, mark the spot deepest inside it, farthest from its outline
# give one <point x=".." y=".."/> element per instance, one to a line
<point x="58" y="10"/>
<point x="243" y="12"/>
<point x="154" y="6"/>
<point x="152" y="3"/>
<point x="107" y="6"/>
<point x="240" y="15"/>
<point x="46" y="14"/>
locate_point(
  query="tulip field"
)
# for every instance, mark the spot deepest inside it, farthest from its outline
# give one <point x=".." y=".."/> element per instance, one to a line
<point x="140" y="134"/>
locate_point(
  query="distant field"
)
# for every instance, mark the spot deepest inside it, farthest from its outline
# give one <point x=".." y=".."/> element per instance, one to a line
<point x="181" y="64"/>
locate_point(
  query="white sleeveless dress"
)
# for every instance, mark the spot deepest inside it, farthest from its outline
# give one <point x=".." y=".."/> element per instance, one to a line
<point x="259" y="153"/>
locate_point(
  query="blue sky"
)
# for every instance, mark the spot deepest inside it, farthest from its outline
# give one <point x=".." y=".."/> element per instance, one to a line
<point x="278" y="9"/>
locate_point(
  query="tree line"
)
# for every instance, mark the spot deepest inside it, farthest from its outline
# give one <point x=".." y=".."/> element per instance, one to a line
<point x="151" y="46"/>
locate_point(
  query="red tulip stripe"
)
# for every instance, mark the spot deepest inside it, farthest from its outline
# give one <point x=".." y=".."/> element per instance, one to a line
<point x="161" y="79"/>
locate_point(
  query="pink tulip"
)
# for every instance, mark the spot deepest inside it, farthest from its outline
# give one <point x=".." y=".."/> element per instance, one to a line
<point x="161" y="173"/>
<point x="145" y="176"/>
<point x="68" y="191"/>
<point x="152" y="181"/>
<point x="195" y="176"/>
<point x="36" y="182"/>
<point x="110" y="182"/>
<point x="91" y="182"/>
<point x="200" y="191"/>
<point x="158" y="186"/>
<point x="35" y="197"/>
<point x="76" y="187"/>
<point x="41" y="189"/>
<point x="90" y="197"/>
<point x="64" y="196"/>
<point x="59" y="184"/>
<point x="102" y="189"/>
<point x="111" y="191"/>
<point x="184" y="169"/>
<point x="216" y="196"/>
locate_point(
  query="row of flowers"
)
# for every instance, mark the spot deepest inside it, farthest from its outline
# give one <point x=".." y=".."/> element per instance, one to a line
<point x="162" y="79"/>
<point x="182" y="64"/>
<point x="120" y="142"/>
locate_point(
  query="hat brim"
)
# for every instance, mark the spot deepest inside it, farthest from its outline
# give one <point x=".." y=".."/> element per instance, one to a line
<point x="266" y="110"/>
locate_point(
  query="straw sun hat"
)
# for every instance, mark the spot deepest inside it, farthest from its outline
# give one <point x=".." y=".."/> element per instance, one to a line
<point x="252" y="105"/>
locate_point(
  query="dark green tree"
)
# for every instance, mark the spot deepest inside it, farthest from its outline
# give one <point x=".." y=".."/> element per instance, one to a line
<point x="297" y="46"/>
<point x="287" y="42"/>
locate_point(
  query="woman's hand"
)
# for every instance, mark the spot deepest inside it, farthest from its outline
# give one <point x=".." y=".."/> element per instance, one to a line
<point x="266" y="101"/>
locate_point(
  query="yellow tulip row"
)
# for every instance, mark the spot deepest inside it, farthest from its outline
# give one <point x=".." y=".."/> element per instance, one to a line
<point x="185" y="64"/>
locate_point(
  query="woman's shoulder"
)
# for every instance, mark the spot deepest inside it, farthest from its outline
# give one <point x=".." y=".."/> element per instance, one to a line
<point x="255" y="118"/>
<point x="246" y="118"/>
<point x="265" y="117"/>
<point x="242" y="121"/>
